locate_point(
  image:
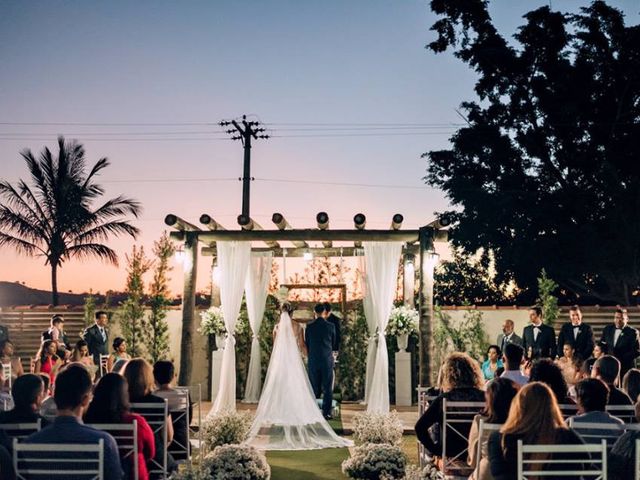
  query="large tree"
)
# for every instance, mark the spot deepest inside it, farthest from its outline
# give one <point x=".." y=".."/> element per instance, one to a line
<point x="547" y="174"/>
<point x="54" y="217"/>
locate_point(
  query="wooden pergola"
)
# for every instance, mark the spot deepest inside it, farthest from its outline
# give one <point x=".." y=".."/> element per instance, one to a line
<point x="417" y="254"/>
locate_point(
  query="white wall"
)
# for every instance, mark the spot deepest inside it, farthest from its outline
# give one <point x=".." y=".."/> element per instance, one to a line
<point x="493" y="318"/>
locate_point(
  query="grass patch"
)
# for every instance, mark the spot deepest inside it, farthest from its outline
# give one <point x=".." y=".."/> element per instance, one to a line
<point x="409" y="446"/>
<point x="307" y="464"/>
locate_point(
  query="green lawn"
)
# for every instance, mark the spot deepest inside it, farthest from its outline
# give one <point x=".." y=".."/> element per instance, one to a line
<point x="307" y="464"/>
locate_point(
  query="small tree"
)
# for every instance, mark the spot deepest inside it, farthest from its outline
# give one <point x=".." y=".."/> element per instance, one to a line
<point x="158" y="344"/>
<point x="132" y="310"/>
<point x="89" y="309"/>
<point x="546" y="299"/>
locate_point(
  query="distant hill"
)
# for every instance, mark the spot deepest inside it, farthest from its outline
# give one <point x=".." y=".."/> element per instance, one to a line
<point x="14" y="294"/>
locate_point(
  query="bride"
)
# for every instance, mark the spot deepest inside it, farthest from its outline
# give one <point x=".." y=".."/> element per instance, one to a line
<point x="288" y="417"/>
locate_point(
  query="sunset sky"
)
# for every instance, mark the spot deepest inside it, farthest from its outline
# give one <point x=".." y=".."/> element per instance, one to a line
<point x="145" y="83"/>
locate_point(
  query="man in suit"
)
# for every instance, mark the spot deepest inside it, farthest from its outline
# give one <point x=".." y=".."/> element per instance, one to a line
<point x="320" y="339"/>
<point x="508" y="335"/>
<point x="97" y="337"/>
<point x="56" y="333"/>
<point x="622" y="340"/>
<point x="335" y="321"/>
<point x="538" y="339"/>
<point x="577" y="334"/>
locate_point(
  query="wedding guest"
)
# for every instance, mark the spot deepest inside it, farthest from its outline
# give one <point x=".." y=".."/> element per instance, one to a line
<point x="512" y="357"/>
<point x="631" y="384"/>
<point x="492" y="363"/>
<point x="164" y="375"/>
<point x="545" y="371"/>
<point x="72" y="396"/>
<point x="110" y="404"/>
<point x="538" y="339"/>
<point x="498" y="397"/>
<point x="535" y="419"/>
<point x="621" y="462"/>
<point x="607" y="369"/>
<point x="47" y="361"/>
<point x="335" y="321"/>
<point x="6" y="356"/>
<point x="119" y="353"/>
<point x="508" y="335"/>
<point x="97" y="337"/>
<point x="28" y="392"/>
<point x="569" y="364"/>
<point x="48" y="407"/>
<point x="577" y="334"/>
<point x="592" y="397"/>
<point x="461" y="382"/>
<point x="600" y="349"/>
<point x="623" y="340"/>
<point x="81" y="354"/>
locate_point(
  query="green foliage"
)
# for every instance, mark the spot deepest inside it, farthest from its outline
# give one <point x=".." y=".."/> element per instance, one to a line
<point x="89" y="309"/>
<point x="467" y="335"/>
<point x="53" y="217"/>
<point x="352" y="360"/>
<point x="545" y="172"/>
<point x="546" y="299"/>
<point x="158" y="339"/>
<point x="133" y="324"/>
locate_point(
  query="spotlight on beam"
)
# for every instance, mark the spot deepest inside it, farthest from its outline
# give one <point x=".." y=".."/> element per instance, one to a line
<point x="359" y="221"/>
<point x="322" y="219"/>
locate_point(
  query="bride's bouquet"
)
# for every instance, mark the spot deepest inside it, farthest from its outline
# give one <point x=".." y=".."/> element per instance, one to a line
<point x="211" y="322"/>
<point x="403" y="321"/>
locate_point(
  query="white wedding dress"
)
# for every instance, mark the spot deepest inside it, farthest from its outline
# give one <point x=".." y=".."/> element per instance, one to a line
<point x="288" y="417"/>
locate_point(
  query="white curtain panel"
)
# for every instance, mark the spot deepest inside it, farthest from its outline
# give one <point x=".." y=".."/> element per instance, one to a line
<point x="256" y="289"/>
<point x="371" y="328"/>
<point x="233" y="260"/>
<point x="382" y="260"/>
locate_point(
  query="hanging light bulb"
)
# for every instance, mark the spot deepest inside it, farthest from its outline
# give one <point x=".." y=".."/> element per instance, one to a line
<point x="308" y="256"/>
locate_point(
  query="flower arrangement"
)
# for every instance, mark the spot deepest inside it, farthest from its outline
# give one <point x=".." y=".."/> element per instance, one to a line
<point x="375" y="461"/>
<point x="236" y="462"/>
<point x="187" y="471"/>
<point x="211" y="322"/>
<point x="226" y="427"/>
<point x="429" y="472"/>
<point x="377" y="428"/>
<point x="403" y="321"/>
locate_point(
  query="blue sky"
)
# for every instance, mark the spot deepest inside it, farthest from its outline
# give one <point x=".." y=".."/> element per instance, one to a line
<point x="283" y="62"/>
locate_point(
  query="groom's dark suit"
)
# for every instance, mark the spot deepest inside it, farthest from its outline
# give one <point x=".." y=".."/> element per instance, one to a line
<point x="320" y="338"/>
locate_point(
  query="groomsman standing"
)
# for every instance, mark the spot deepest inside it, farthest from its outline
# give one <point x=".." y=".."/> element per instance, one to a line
<point x="622" y="340"/>
<point x="508" y="335"/>
<point x="97" y="337"/>
<point x="538" y="339"/>
<point x="577" y="334"/>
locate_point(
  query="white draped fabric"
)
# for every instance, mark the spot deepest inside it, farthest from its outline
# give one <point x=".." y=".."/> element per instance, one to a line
<point x="382" y="260"/>
<point x="233" y="260"/>
<point x="371" y="345"/>
<point x="256" y="288"/>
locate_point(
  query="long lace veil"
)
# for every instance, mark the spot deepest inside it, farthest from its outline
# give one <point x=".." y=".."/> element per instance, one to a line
<point x="288" y="417"/>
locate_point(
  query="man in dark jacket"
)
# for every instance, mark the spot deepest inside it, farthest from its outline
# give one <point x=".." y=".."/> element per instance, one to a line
<point x="97" y="337"/>
<point x="622" y="340"/>
<point x="320" y="338"/>
<point x="538" y="339"/>
<point x="577" y="334"/>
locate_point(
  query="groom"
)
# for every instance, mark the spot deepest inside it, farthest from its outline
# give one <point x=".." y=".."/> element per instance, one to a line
<point x="320" y="337"/>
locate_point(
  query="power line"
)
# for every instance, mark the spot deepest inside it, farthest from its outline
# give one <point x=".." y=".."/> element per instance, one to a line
<point x="342" y="184"/>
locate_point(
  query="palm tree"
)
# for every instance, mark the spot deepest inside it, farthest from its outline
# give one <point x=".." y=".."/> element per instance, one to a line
<point x="54" y="217"/>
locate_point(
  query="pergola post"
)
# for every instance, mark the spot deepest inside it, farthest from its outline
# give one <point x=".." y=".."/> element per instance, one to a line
<point x="409" y="280"/>
<point x="425" y="305"/>
<point x="188" y="306"/>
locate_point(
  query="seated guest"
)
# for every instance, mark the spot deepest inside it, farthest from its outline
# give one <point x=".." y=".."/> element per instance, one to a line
<point x="535" y="419"/>
<point x="621" y="464"/>
<point x="512" y="357"/>
<point x="492" y="363"/>
<point x="545" y="371"/>
<point x="57" y="335"/>
<point x="600" y="349"/>
<point x="631" y="384"/>
<point x="119" y="353"/>
<point x="72" y="395"/>
<point x="607" y="369"/>
<point x="499" y="395"/>
<point x="28" y="393"/>
<point x="461" y="382"/>
<point x="6" y="401"/>
<point x="80" y="354"/>
<point x="569" y="364"/>
<point x="6" y="357"/>
<point x="593" y="395"/>
<point x="110" y="404"/>
<point x="48" y="408"/>
<point x="164" y="374"/>
<point x="47" y="361"/>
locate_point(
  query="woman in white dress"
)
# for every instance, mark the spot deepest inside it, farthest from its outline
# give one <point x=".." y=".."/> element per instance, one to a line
<point x="288" y="417"/>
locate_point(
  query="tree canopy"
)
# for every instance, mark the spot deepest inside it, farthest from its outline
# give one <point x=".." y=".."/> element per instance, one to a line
<point x="547" y="174"/>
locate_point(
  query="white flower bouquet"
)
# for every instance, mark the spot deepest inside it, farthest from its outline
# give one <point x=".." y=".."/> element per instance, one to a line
<point x="211" y="322"/>
<point x="378" y="428"/>
<point x="429" y="472"/>
<point x="403" y="320"/>
<point x="236" y="462"/>
<point x="226" y="427"/>
<point x="375" y="461"/>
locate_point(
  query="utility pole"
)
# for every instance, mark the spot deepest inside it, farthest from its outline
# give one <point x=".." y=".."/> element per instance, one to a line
<point x="244" y="131"/>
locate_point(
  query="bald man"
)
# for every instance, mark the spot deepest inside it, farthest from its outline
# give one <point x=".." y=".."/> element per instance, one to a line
<point x="508" y="335"/>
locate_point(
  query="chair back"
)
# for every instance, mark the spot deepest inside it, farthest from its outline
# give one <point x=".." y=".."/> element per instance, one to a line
<point x="43" y="461"/>
<point x="180" y="447"/>
<point x="568" y="410"/>
<point x="104" y="361"/>
<point x="6" y="373"/>
<point x="637" y="462"/>
<point x="156" y="416"/>
<point x="626" y="413"/>
<point x="595" y="432"/>
<point x="424" y="399"/>
<point x="126" y="436"/>
<point x="485" y="429"/>
<point x="457" y="418"/>
<point x="579" y="460"/>
<point x="20" y="430"/>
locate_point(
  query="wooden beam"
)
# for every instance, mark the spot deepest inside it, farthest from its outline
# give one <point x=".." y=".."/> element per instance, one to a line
<point x="189" y="320"/>
<point x="250" y="225"/>
<point x="210" y="223"/>
<point x="322" y="219"/>
<point x="426" y="370"/>
<point x="299" y="252"/>
<point x="408" y="236"/>
<point x="282" y="224"/>
<point x="359" y="221"/>
<point x="176" y="222"/>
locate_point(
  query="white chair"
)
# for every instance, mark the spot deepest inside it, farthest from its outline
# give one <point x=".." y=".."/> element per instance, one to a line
<point x="35" y="461"/>
<point x="126" y="436"/>
<point x="485" y="429"/>
<point x="423" y="403"/>
<point x="595" y="432"/>
<point x="626" y="413"/>
<point x="20" y="430"/>
<point x="104" y="359"/>
<point x="637" y="456"/>
<point x="457" y="418"/>
<point x="156" y="416"/>
<point x="592" y="465"/>
<point x="6" y="373"/>
<point x="568" y="410"/>
<point x="179" y="417"/>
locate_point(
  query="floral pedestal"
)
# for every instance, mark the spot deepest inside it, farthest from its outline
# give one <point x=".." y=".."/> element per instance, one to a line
<point x="403" y="341"/>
